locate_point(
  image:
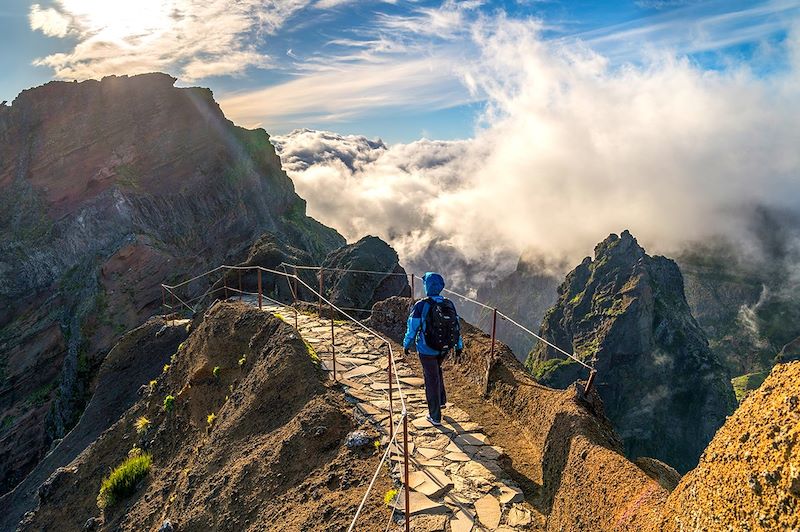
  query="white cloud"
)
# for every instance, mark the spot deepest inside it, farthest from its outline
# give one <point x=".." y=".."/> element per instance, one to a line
<point x="571" y="150"/>
<point x="338" y="91"/>
<point x="49" y="21"/>
<point x="194" y="38"/>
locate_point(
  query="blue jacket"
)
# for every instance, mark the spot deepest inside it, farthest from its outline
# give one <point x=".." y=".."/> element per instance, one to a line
<point x="434" y="283"/>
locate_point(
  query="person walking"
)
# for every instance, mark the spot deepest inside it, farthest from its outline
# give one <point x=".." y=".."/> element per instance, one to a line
<point x="434" y="328"/>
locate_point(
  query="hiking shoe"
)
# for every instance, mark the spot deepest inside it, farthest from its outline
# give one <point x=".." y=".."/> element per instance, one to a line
<point x="432" y="422"/>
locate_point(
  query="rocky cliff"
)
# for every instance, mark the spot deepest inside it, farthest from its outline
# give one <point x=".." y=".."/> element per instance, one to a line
<point x="746" y="294"/>
<point x="663" y="389"/>
<point x="107" y="189"/>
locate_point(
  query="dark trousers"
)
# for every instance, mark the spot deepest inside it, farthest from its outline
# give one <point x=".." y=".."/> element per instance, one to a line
<point x="434" y="385"/>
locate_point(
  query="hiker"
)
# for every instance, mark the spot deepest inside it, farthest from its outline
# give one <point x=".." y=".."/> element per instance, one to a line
<point x="434" y="327"/>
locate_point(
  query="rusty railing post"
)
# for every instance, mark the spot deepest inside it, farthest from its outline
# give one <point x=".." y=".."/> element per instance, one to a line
<point x="333" y="347"/>
<point x="240" y="285"/>
<point x="163" y="298"/>
<point x="225" y="284"/>
<point x="494" y="331"/>
<point x="589" y="382"/>
<point x="405" y="473"/>
<point x="391" y="400"/>
<point x="172" y="308"/>
<point x="295" y="294"/>
<point x="259" y="289"/>
<point x="321" y="273"/>
<point x="295" y="317"/>
<point x="412" y="286"/>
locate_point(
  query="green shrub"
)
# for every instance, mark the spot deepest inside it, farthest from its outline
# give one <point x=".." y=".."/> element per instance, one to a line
<point x="123" y="480"/>
<point x="215" y="372"/>
<point x="211" y="418"/>
<point x="169" y="403"/>
<point x="242" y="361"/>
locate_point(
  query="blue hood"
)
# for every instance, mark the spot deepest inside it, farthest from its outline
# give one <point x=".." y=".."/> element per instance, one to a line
<point x="434" y="283"/>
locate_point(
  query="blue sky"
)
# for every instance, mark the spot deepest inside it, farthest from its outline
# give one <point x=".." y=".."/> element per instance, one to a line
<point x="399" y="70"/>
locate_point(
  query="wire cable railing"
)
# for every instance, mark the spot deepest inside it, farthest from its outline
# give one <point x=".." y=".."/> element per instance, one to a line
<point x="292" y="279"/>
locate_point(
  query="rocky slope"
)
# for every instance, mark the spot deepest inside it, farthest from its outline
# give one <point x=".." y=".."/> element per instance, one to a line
<point x="272" y="458"/>
<point x="749" y="476"/>
<point x="107" y="189"/>
<point x="137" y="358"/>
<point x="663" y="389"/>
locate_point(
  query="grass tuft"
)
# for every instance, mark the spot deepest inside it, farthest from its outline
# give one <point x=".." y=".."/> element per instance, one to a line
<point x="215" y="372"/>
<point x="169" y="403"/>
<point x="389" y="496"/>
<point x="211" y="418"/>
<point x="141" y="424"/>
<point x="242" y="361"/>
<point x="123" y="480"/>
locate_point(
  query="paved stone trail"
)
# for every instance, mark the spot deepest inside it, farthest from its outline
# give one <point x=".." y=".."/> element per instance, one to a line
<point x="455" y="480"/>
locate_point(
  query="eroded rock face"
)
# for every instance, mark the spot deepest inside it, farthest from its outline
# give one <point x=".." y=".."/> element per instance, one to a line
<point x="362" y="290"/>
<point x="662" y="388"/>
<point x="107" y="189"/>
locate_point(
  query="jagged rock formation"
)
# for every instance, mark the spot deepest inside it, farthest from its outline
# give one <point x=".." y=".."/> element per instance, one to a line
<point x="749" y="476"/>
<point x="363" y="290"/>
<point x="107" y="189"/>
<point x="527" y="293"/>
<point x="662" y="387"/>
<point x="273" y="456"/>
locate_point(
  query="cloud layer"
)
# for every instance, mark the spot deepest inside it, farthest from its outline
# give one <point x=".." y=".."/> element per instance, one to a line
<point x="569" y="150"/>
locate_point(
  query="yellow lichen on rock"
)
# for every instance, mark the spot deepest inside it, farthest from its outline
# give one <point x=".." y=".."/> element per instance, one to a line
<point x="749" y="476"/>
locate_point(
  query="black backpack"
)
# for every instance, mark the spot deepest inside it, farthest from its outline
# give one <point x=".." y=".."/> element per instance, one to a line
<point x="441" y="328"/>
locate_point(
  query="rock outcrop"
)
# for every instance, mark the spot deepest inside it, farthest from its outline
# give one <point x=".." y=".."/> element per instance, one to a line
<point x="663" y="389"/>
<point x="107" y="189"/>
<point x="749" y="476"/>
<point x="356" y="290"/>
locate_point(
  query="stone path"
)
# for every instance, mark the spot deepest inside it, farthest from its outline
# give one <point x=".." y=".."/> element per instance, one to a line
<point x="455" y="481"/>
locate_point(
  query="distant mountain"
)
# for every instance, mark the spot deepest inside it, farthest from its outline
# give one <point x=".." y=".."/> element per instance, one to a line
<point x="525" y="294"/>
<point x="746" y="295"/>
<point x="107" y="189"/>
<point x="662" y="387"/>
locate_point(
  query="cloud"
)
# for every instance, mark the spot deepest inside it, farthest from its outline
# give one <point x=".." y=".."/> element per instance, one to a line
<point x="571" y="148"/>
<point x="194" y="38"/>
<point x="49" y="21"/>
<point x="340" y="91"/>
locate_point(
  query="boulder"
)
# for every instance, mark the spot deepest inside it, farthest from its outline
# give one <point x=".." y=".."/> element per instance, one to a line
<point x="357" y="290"/>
